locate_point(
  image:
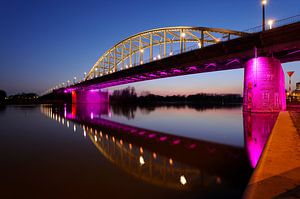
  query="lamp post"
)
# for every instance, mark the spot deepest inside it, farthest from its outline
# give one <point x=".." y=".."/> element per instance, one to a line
<point x="263" y="2"/>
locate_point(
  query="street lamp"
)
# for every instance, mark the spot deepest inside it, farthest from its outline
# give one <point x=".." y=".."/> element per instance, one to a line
<point x="263" y="2"/>
<point x="270" y="23"/>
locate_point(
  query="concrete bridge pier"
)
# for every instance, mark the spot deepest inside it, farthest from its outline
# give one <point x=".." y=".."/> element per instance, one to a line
<point x="264" y="89"/>
<point x="91" y="96"/>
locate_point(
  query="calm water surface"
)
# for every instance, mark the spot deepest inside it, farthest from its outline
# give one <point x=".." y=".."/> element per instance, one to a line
<point x="98" y="151"/>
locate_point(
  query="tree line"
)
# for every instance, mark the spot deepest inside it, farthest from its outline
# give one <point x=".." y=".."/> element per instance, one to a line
<point x="129" y="95"/>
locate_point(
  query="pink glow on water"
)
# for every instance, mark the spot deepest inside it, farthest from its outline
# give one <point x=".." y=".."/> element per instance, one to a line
<point x="257" y="128"/>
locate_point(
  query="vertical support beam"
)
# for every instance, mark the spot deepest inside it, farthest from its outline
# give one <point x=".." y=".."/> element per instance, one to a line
<point x="264" y="89"/>
<point x="134" y="59"/>
<point x="151" y="46"/>
<point x="108" y="56"/>
<point x="130" y="53"/>
<point x="184" y="44"/>
<point x="165" y="43"/>
<point x="160" y="50"/>
<point x="202" y="39"/>
<point x="122" y="56"/>
<point x="115" y="58"/>
<point x="140" y="49"/>
<point x="102" y="67"/>
<point x="180" y="40"/>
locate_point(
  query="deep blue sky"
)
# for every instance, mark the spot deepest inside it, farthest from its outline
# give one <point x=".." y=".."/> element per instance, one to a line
<point x="43" y="43"/>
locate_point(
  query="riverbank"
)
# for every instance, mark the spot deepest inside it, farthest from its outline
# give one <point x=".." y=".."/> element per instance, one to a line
<point x="277" y="174"/>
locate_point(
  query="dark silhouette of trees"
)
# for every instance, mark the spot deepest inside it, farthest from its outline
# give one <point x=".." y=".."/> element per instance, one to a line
<point x="2" y="96"/>
<point x="129" y="96"/>
<point x="126" y="95"/>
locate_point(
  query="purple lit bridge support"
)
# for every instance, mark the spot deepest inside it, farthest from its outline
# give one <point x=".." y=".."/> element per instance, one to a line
<point x="264" y="89"/>
<point x="92" y="96"/>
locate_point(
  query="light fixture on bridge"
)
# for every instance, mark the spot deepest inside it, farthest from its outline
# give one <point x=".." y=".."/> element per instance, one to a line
<point x="158" y="56"/>
<point x="270" y="23"/>
<point x="182" y="34"/>
<point x="171" y="53"/>
<point x="142" y="50"/>
<point x="264" y="2"/>
<point x="141" y="62"/>
<point x="199" y="44"/>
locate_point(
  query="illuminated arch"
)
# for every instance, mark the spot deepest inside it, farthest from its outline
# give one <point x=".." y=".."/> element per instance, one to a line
<point x="156" y="44"/>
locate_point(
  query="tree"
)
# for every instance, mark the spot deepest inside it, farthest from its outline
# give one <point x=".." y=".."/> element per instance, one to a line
<point x="2" y="95"/>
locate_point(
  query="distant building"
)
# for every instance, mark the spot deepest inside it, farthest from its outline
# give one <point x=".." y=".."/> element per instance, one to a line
<point x="296" y="93"/>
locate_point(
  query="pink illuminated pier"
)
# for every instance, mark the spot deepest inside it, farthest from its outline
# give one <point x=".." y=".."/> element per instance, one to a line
<point x="261" y="54"/>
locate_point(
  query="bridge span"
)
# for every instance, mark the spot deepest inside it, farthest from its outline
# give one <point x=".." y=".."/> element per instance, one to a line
<point x="261" y="54"/>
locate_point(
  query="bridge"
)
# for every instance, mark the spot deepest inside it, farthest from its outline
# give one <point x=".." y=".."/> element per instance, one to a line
<point x="175" y="51"/>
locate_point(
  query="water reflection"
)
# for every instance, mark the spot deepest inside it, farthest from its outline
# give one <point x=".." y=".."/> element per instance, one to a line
<point x="155" y="157"/>
<point x="129" y="111"/>
<point x="257" y="128"/>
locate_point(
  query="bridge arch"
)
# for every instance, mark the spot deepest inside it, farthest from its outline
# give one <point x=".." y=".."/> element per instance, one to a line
<point x="156" y="44"/>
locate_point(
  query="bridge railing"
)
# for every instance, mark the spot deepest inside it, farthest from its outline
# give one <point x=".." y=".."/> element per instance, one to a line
<point x="275" y="24"/>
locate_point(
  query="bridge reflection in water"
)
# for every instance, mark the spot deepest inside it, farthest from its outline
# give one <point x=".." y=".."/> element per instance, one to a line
<point x="168" y="160"/>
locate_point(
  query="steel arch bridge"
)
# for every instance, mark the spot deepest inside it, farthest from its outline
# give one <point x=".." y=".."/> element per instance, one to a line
<point x="156" y="44"/>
